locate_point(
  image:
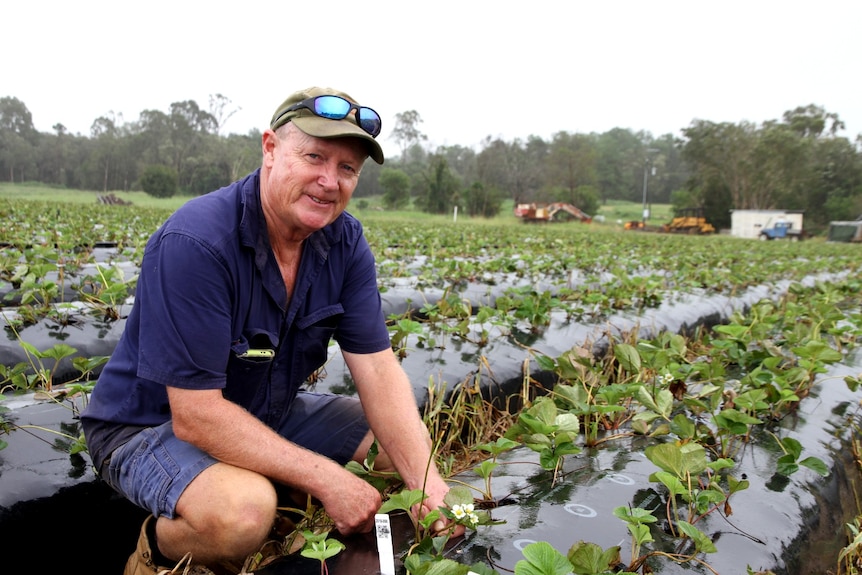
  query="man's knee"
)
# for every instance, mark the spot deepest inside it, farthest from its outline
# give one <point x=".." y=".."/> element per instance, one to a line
<point x="244" y="533"/>
<point x="234" y="509"/>
<point x="247" y="508"/>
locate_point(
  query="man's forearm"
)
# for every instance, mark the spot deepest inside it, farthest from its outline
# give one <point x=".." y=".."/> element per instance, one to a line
<point x="232" y="435"/>
<point x="392" y="413"/>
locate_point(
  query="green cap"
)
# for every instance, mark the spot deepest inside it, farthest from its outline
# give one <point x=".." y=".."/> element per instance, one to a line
<point x="314" y="125"/>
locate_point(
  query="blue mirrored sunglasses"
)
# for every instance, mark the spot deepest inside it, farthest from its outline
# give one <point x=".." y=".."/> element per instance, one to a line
<point x="337" y="108"/>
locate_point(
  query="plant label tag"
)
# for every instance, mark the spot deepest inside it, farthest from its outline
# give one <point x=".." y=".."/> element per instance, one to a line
<point x="384" y="544"/>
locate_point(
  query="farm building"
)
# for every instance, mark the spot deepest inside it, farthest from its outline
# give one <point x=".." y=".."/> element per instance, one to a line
<point x="845" y="231"/>
<point x="751" y="223"/>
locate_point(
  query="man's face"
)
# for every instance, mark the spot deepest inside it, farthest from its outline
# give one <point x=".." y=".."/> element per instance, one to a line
<point x="306" y="182"/>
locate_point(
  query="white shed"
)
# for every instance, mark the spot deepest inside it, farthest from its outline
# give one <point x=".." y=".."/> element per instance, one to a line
<point x="749" y="223"/>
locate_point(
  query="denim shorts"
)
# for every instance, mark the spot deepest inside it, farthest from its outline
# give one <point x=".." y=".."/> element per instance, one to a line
<point x="153" y="468"/>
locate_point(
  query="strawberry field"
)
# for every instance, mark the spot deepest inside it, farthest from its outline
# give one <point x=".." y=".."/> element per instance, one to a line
<point x="604" y="401"/>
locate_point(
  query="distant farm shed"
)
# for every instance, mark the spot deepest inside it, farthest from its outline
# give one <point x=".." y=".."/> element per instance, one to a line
<point x="846" y="231"/>
<point x="750" y="223"/>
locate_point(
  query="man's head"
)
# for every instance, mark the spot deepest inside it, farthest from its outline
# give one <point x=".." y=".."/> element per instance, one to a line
<point x="327" y="113"/>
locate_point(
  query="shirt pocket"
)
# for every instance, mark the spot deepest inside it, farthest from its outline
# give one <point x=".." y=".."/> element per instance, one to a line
<point x="248" y="368"/>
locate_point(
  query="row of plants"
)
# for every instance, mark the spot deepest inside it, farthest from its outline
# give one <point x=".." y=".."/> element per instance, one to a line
<point x="48" y="261"/>
<point x="701" y="400"/>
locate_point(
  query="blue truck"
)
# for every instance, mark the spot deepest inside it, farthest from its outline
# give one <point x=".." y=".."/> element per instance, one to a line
<point x="782" y="229"/>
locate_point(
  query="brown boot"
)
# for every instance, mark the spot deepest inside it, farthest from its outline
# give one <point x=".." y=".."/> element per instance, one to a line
<point x="144" y="559"/>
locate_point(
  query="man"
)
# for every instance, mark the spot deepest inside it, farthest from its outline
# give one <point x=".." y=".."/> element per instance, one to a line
<point x="199" y="414"/>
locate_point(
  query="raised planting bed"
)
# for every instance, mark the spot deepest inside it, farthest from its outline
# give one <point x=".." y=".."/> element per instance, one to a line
<point x="783" y="524"/>
<point x="789" y="525"/>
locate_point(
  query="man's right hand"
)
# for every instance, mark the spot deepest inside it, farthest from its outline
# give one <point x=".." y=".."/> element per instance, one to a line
<point x="351" y="503"/>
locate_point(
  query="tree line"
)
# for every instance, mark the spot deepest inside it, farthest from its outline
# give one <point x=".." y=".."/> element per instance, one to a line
<point x="798" y="162"/>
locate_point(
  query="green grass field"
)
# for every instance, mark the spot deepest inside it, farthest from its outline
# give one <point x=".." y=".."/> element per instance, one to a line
<point x="33" y="191"/>
<point x="614" y="211"/>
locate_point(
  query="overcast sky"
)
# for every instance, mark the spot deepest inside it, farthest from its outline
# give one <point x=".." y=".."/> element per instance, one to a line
<point x="470" y="68"/>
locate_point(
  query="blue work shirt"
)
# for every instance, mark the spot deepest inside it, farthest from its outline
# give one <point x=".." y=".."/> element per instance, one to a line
<point x="211" y="311"/>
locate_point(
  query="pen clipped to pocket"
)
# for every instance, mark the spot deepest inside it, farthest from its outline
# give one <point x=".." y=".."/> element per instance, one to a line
<point x="257" y="354"/>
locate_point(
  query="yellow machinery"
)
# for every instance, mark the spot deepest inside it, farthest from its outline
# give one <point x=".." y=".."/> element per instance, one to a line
<point x="689" y="221"/>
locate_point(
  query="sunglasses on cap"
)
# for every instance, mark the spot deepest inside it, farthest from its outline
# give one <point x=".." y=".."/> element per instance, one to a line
<point x="337" y="108"/>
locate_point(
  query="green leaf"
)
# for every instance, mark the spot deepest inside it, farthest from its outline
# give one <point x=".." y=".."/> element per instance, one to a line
<point x="815" y="464"/>
<point x="321" y="550"/>
<point x="682" y="426"/>
<point x="734" y="330"/>
<point x="787" y="465"/>
<point x="736" y="485"/>
<point x="486" y="468"/>
<point x="640" y="533"/>
<point x="628" y="356"/>
<point x="644" y="397"/>
<point x="542" y="559"/>
<point x="420" y="565"/>
<point x="576" y="396"/>
<point x="707" y="496"/>
<point x="634" y="514"/>
<point x="693" y="458"/>
<point x="538" y="441"/>
<point x="546" y="363"/>
<point x="88" y="364"/>
<point x="671" y="481"/>
<point x="458" y="495"/>
<point x="817" y="350"/>
<point x="29" y="348"/>
<point x="312" y="537"/>
<point x="679" y="460"/>
<point x="540" y="417"/>
<point x="589" y="558"/>
<point x="372" y="454"/>
<point x="59" y="351"/>
<point x="548" y="459"/>
<point x="640" y="427"/>
<point x="667" y="456"/>
<point x="482" y="569"/>
<point x="645" y="418"/>
<point x="739" y="417"/>
<point x="502" y="444"/>
<point x="567" y="422"/>
<point x="721" y="463"/>
<point x="432" y="516"/>
<point x="792" y="446"/>
<point x="665" y="402"/>
<point x="703" y="543"/>
<point x="403" y="501"/>
<point x="567" y="448"/>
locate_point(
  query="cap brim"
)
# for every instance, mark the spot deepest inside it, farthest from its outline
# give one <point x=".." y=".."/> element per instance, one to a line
<point x="326" y="128"/>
